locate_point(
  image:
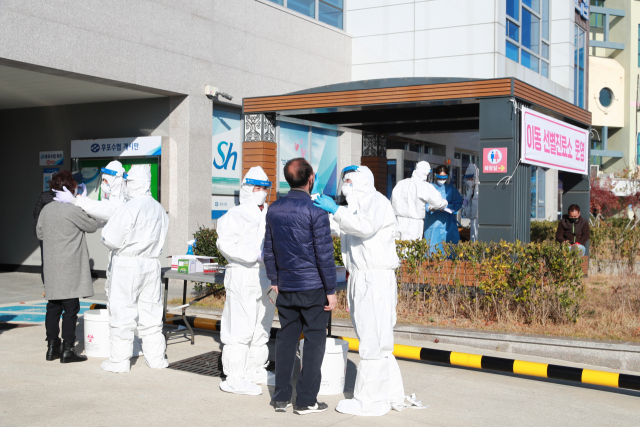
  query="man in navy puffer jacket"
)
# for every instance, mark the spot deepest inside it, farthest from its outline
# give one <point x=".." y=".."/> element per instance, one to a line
<point x="298" y="256"/>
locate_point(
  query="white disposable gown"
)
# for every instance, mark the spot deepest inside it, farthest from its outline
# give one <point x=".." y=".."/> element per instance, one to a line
<point x="113" y="198"/>
<point x="470" y="204"/>
<point x="135" y="234"/>
<point x="409" y="198"/>
<point x="367" y="228"/>
<point x="248" y="312"/>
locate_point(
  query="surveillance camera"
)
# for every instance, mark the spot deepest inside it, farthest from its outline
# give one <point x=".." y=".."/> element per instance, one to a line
<point x="211" y="92"/>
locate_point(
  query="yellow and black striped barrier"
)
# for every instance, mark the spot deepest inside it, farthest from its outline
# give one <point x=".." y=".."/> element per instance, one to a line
<point x="518" y="367"/>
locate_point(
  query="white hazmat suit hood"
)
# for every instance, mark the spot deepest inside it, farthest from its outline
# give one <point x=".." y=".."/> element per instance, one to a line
<point x="409" y="199"/>
<point x="367" y="228"/>
<point x="470" y="203"/>
<point x="138" y="182"/>
<point x="135" y="234"/>
<point x="248" y="312"/>
<point x="115" y="183"/>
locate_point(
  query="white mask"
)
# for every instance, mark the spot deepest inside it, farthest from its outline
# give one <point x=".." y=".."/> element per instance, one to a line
<point x="259" y="197"/>
<point x="347" y="189"/>
<point x="106" y="189"/>
<point x="470" y="183"/>
<point x="441" y="181"/>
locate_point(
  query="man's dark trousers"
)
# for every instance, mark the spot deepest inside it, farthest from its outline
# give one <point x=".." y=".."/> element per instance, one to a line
<point x="300" y="312"/>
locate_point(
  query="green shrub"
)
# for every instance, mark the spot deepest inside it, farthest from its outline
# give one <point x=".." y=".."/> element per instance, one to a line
<point x="535" y="282"/>
<point x="206" y="239"/>
<point x="543" y="231"/>
<point x="610" y="242"/>
<point x="337" y="251"/>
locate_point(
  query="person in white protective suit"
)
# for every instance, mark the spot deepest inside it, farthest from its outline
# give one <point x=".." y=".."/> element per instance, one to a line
<point x="470" y="202"/>
<point x="135" y="234"/>
<point x="248" y="312"/>
<point x="409" y="199"/>
<point x="367" y="228"/>
<point x="113" y="197"/>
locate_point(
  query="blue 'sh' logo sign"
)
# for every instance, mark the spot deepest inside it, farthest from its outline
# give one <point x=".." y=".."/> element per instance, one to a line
<point x="226" y="157"/>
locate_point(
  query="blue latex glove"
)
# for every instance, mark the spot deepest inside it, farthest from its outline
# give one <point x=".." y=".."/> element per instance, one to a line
<point x="82" y="190"/>
<point x="64" y="196"/>
<point x="315" y="185"/>
<point x="326" y="203"/>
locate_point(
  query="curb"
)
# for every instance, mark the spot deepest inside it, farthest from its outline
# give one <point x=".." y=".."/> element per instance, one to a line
<point x="611" y="354"/>
<point x="475" y="361"/>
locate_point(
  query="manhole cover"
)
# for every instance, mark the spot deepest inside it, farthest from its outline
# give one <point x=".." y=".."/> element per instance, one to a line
<point x="6" y="326"/>
<point x="206" y="364"/>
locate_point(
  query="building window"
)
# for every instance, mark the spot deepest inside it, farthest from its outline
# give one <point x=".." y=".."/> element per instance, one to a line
<point x="328" y="11"/>
<point x="527" y="29"/>
<point x="537" y="192"/>
<point x="579" y="66"/>
<point x="606" y="97"/>
<point x="318" y="145"/>
<point x="596" y="19"/>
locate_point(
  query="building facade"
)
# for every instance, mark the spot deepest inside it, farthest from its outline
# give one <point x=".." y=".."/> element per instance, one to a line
<point x="120" y="73"/>
<point x="614" y="58"/>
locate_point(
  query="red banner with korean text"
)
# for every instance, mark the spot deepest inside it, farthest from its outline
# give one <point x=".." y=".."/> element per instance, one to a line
<point x="550" y="143"/>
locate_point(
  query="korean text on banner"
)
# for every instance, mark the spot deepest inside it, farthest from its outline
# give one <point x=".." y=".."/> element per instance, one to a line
<point x="117" y="147"/>
<point x="550" y="143"/>
<point x="51" y="158"/>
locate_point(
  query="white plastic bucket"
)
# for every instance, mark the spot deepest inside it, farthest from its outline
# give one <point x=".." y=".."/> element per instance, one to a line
<point x="334" y="366"/>
<point x="96" y="334"/>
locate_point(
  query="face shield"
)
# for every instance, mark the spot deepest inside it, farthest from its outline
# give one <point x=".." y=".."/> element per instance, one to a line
<point x="263" y="194"/>
<point x="108" y="177"/>
<point x="441" y="178"/>
<point x="341" y="198"/>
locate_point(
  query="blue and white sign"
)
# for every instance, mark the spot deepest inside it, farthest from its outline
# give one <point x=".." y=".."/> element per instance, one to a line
<point x="51" y="158"/>
<point x="226" y="153"/>
<point x="582" y="6"/>
<point x="142" y="146"/>
<point x="46" y="176"/>
<point x="221" y="204"/>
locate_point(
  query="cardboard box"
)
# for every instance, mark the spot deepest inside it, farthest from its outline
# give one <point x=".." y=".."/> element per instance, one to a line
<point x="199" y="262"/>
<point x="186" y="266"/>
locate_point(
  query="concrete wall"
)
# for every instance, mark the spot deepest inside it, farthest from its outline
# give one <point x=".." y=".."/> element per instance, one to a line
<point x="451" y="38"/>
<point x="245" y="47"/>
<point x="24" y="132"/>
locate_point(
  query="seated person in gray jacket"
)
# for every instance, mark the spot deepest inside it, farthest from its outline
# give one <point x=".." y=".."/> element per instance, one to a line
<point x="67" y="275"/>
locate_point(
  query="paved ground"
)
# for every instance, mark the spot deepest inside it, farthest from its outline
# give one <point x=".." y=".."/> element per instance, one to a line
<point x="16" y="287"/>
<point x="34" y="392"/>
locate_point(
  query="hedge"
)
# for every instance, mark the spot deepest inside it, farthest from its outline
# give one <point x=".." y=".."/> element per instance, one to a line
<point x="539" y="281"/>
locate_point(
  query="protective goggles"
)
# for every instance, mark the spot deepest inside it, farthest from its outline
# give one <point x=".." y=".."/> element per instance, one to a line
<point x="442" y="176"/>
<point x="352" y="168"/>
<point x="110" y="172"/>
<point x="257" y="182"/>
<point x="469" y="176"/>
